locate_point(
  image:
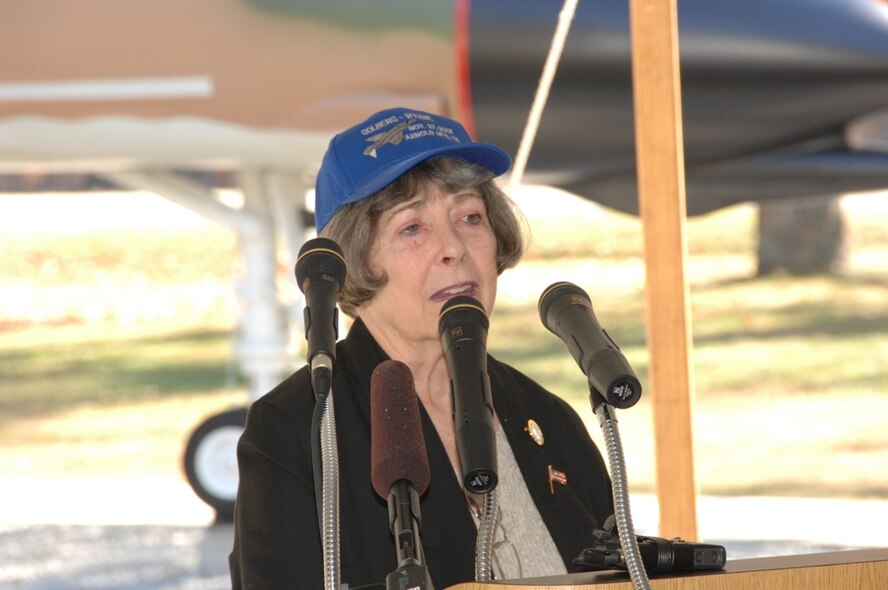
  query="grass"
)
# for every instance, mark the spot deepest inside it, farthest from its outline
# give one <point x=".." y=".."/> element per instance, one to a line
<point x="41" y="375"/>
<point x="115" y="344"/>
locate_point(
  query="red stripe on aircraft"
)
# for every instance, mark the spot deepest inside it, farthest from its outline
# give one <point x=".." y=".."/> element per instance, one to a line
<point x="465" y="113"/>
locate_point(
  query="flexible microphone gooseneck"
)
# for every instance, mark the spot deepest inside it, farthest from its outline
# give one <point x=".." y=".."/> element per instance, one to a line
<point x="463" y="327"/>
<point x="399" y="468"/>
<point x="320" y="272"/>
<point x="566" y="311"/>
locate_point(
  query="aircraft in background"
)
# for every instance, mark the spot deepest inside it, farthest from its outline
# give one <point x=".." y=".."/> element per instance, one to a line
<point x="781" y="99"/>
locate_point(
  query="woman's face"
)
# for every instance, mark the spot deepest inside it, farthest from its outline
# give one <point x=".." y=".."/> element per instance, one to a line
<point x="433" y="247"/>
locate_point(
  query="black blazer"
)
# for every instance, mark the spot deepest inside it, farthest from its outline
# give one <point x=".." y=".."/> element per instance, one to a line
<point x="277" y="541"/>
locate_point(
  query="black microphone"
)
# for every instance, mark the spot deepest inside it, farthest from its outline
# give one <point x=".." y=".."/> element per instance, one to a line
<point x="463" y="327"/>
<point x="399" y="467"/>
<point x="320" y="272"/>
<point x="566" y="311"/>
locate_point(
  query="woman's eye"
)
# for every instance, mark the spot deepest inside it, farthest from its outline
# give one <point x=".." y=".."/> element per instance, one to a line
<point x="411" y="229"/>
<point x="473" y="218"/>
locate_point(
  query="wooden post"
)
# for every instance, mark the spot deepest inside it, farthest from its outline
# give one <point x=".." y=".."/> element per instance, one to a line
<point x="661" y="193"/>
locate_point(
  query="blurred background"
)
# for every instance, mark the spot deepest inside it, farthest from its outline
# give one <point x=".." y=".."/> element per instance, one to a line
<point x="156" y="167"/>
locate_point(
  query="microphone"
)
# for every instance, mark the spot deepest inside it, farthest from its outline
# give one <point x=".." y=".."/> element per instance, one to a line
<point x="399" y="467"/>
<point x="320" y="273"/>
<point x="463" y="324"/>
<point x="566" y="311"/>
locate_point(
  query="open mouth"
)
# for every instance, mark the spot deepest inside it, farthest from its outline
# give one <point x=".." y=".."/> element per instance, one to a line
<point x="469" y="288"/>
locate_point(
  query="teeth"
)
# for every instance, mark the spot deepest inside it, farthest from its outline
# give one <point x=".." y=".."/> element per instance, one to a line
<point x="458" y="290"/>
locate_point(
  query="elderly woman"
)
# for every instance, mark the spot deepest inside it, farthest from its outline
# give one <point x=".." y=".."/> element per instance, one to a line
<point x="413" y="202"/>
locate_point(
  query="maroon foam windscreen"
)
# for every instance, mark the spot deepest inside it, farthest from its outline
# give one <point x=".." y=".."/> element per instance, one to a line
<point x="397" y="447"/>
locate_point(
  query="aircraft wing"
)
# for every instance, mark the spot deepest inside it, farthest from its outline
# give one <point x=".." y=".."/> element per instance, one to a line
<point x="771" y="88"/>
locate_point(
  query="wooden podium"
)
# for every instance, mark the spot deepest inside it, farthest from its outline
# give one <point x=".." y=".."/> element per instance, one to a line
<point x="865" y="569"/>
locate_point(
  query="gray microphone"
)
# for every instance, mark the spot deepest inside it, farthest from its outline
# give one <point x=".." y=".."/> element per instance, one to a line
<point x="566" y="311"/>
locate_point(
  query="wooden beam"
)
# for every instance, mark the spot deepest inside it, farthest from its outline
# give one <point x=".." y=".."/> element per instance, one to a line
<point x="661" y="193"/>
<point x="864" y="569"/>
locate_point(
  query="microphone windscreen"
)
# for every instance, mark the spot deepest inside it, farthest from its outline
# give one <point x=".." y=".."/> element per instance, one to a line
<point x="397" y="446"/>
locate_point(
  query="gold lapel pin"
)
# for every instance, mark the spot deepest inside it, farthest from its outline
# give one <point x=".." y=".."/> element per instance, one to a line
<point x="535" y="432"/>
<point x="556" y="476"/>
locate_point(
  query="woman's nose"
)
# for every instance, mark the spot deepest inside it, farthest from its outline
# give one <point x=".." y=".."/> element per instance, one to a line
<point x="453" y="249"/>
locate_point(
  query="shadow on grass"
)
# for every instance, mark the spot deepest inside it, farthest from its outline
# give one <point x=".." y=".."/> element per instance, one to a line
<point x="830" y="317"/>
<point x="808" y="345"/>
<point x="858" y="280"/>
<point x="807" y="489"/>
<point x="804" y="321"/>
<point x="49" y="378"/>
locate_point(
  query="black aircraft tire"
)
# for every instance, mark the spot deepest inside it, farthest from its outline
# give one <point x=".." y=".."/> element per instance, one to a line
<point x="211" y="460"/>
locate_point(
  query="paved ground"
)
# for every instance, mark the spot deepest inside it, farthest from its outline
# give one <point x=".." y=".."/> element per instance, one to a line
<point x="155" y="534"/>
<point x="109" y="533"/>
<point x="46" y="557"/>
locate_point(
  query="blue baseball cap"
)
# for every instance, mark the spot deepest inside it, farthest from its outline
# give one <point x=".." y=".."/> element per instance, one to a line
<point x="364" y="159"/>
